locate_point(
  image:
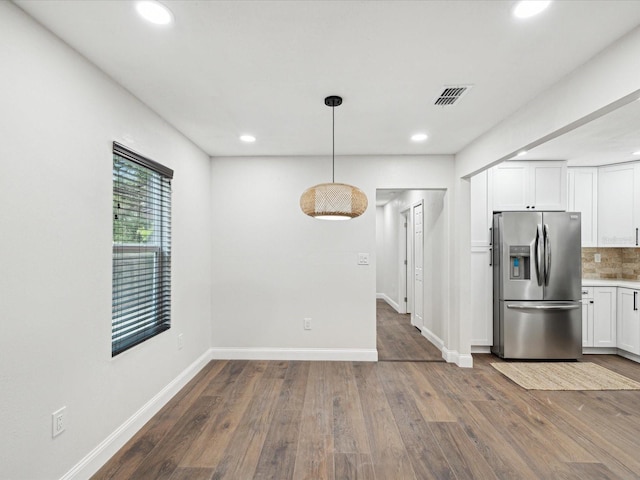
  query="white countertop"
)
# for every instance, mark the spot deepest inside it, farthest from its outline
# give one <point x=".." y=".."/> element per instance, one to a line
<point x="590" y="282"/>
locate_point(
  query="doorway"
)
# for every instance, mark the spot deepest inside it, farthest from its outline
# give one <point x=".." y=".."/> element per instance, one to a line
<point x="410" y="229"/>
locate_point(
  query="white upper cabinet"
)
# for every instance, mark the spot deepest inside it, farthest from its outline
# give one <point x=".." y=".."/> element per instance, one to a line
<point x="529" y="186"/>
<point x="619" y="205"/>
<point x="583" y="197"/>
<point x="510" y="185"/>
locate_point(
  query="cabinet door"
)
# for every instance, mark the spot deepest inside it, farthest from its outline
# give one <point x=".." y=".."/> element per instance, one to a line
<point x="628" y="320"/>
<point x="618" y="192"/>
<point x="604" y="316"/>
<point x="481" y="297"/>
<point x="583" y="197"/>
<point x="480" y="219"/>
<point x="587" y="323"/>
<point x="548" y="185"/>
<point x="510" y="186"/>
<point x="587" y="316"/>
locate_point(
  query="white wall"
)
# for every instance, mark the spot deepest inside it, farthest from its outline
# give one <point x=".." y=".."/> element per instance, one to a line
<point x="58" y="118"/>
<point x="387" y="272"/>
<point x="274" y="266"/>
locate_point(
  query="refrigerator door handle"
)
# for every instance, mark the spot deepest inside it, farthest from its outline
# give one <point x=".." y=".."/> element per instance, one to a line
<point x="516" y="306"/>
<point x="538" y="248"/>
<point x="547" y="254"/>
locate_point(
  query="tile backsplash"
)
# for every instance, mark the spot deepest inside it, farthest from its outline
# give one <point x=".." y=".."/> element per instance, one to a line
<point x="615" y="263"/>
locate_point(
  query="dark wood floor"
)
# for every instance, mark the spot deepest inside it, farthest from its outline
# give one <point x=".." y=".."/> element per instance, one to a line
<point x="387" y="420"/>
<point x="399" y="340"/>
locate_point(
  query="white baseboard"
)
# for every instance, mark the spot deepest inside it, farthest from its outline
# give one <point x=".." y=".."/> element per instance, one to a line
<point x="97" y="457"/>
<point x="386" y="298"/>
<point x="463" y="360"/>
<point x="600" y="351"/>
<point x="433" y="338"/>
<point x="480" y="349"/>
<point x="628" y="355"/>
<point x="450" y="356"/>
<point x="327" y="354"/>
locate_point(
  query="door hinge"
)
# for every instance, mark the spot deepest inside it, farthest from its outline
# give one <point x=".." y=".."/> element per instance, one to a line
<point x="405" y="299"/>
<point x="405" y="224"/>
<point x="405" y="262"/>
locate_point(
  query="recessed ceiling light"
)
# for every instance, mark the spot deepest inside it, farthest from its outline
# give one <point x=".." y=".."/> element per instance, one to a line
<point x="530" y="8"/>
<point x="636" y="153"/>
<point x="419" y="137"/>
<point x="521" y="153"/>
<point x="248" y="138"/>
<point x="154" y="12"/>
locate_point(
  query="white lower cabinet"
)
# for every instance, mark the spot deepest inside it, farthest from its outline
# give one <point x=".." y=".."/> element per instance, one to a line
<point x="481" y="297"/>
<point x="587" y="317"/>
<point x="604" y="316"/>
<point x="599" y="317"/>
<point x="629" y="320"/>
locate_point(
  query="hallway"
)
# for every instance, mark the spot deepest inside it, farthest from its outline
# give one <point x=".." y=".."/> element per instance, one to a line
<point x="398" y="340"/>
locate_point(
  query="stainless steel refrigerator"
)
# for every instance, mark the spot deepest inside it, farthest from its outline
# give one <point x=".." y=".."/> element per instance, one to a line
<point x="537" y="276"/>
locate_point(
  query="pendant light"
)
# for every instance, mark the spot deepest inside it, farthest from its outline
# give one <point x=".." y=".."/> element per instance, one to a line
<point x="333" y="201"/>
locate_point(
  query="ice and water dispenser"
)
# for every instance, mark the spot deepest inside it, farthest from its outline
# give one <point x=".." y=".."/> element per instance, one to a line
<point x="519" y="262"/>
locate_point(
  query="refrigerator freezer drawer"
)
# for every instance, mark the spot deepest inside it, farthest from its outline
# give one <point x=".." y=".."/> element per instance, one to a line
<point x="540" y="330"/>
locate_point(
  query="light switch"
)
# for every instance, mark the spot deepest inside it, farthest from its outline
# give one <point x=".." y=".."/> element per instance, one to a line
<point x="363" y="259"/>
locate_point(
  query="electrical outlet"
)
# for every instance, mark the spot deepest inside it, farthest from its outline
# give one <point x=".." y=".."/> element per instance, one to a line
<point x="59" y="421"/>
<point x="180" y="341"/>
<point x="363" y="259"/>
<point x="597" y="258"/>
<point x="307" y="324"/>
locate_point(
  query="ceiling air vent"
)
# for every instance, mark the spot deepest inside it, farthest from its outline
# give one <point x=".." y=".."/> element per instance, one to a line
<point x="451" y="94"/>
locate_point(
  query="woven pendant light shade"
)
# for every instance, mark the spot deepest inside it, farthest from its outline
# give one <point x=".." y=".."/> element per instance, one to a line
<point x="333" y="201"/>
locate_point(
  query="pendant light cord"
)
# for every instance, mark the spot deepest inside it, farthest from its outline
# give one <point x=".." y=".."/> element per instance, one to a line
<point x="333" y="142"/>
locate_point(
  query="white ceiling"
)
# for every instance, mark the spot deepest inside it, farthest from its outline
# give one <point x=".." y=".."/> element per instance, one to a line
<point x="612" y="138"/>
<point x="264" y="67"/>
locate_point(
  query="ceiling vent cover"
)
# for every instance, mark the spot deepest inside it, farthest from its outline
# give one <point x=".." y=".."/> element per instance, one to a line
<point x="451" y="94"/>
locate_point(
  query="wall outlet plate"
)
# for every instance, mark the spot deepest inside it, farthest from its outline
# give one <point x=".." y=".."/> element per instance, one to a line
<point x="597" y="258"/>
<point x="180" y="341"/>
<point x="307" y="324"/>
<point x="363" y="259"/>
<point x="59" y="421"/>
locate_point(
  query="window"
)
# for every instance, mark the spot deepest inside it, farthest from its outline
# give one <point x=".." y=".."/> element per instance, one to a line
<point x="141" y="302"/>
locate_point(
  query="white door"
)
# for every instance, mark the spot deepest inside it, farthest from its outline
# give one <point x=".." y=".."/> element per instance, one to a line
<point x="405" y="282"/>
<point x="417" y="315"/>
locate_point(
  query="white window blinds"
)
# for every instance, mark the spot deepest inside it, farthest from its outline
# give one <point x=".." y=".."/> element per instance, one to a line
<point x="141" y="302"/>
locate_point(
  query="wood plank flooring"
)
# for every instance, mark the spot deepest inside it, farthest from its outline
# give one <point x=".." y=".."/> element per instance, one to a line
<point x="386" y="420"/>
<point x="398" y="340"/>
